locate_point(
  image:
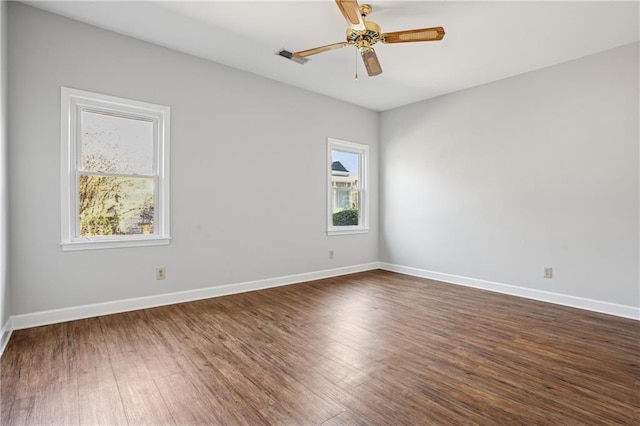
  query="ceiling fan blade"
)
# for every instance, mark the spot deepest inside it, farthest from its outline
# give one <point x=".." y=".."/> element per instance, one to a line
<point x="351" y="11"/>
<point x="371" y="62"/>
<point x="423" y="34"/>
<point x="316" y="50"/>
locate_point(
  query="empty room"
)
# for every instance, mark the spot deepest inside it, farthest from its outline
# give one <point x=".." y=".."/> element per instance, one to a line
<point x="320" y="212"/>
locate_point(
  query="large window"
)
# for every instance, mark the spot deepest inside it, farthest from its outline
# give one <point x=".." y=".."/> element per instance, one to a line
<point x="115" y="171"/>
<point x="347" y="192"/>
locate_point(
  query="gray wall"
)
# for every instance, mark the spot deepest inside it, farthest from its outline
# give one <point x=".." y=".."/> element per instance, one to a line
<point x="541" y="169"/>
<point x="490" y="183"/>
<point x="248" y="168"/>
<point x="4" y="248"/>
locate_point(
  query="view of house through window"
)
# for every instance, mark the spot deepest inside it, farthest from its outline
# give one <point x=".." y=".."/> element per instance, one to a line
<point x="347" y="187"/>
<point x="344" y="180"/>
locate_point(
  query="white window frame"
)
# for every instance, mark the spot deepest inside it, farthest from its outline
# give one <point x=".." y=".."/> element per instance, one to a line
<point x="363" y="219"/>
<point x="73" y="101"/>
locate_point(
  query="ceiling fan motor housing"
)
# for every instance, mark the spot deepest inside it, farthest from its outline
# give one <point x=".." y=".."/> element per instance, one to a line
<point x="364" y="38"/>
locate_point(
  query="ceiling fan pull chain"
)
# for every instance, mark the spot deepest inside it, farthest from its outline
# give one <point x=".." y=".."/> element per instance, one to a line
<point x="356" y="63"/>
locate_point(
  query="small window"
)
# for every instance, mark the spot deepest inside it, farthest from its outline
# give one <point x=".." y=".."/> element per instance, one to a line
<point x="348" y="199"/>
<point x="115" y="172"/>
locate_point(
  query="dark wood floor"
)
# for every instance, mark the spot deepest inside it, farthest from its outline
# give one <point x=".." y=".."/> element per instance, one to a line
<point x="369" y="348"/>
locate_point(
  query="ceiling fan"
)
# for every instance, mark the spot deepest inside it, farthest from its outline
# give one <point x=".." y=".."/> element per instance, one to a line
<point x="363" y="34"/>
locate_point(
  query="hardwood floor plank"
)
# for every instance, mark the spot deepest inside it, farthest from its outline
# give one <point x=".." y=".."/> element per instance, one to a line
<point x="17" y="411"/>
<point x="346" y="418"/>
<point x="57" y="406"/>
<point x="125" y="357"/>
<point x="185" y="403"/>
<point x="12" y="368"/>
<point x="102" y="407"/>
<point x="135" y="350"/>
<point x="367" y="348"/>
<point x="294" y="403"/>
<point x="229" y="404"/>
<point x="46" y="358"/>
<point x="219" y="361"/>
<point x="143" y="404"/>
<point x="93" y="362"/>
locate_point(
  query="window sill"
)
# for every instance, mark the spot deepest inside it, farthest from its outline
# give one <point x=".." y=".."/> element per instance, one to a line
<point x="110" y="244"/>
<point x="347" y="231"/>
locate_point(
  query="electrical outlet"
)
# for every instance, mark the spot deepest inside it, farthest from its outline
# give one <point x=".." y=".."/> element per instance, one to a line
<point x="548" y="272"/>
<point x="330" y="254"/>
<point x="160" y="273"/>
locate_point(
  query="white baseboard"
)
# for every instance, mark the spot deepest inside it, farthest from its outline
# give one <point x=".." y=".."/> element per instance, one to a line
<point x="36" y="319"/>
<point x="528" y="293"/>
<point x="5" y="334"/>
<point x="87" y="311"/>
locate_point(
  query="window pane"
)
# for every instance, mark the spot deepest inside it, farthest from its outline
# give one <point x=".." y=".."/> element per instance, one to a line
<point x="114" y="144"/>
<point x="345" y="172"/>
<point x="345" y="169"/>
<point x="346" y="207"/>
<point x="345" y="200"/>
<point x="115" y="206"/>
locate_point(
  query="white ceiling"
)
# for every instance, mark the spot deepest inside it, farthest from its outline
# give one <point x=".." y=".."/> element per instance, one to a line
<point x="484" y="41"/>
